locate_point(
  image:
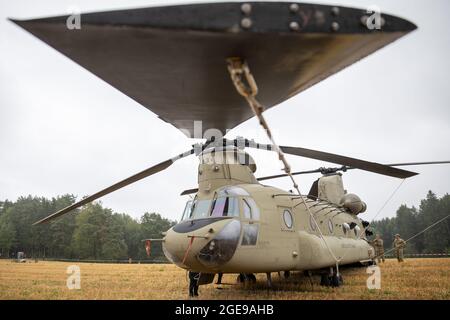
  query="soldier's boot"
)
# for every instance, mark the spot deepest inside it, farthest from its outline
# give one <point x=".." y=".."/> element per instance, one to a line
<point x="191" y="289"/>
<point x="196" y="290"/>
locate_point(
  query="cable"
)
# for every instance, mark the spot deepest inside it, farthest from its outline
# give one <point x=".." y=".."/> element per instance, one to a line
<point x="240" y="71"/>
<point x="388" y="199"/>
<point x="363" y="231"/>
<point x="429" y="227"/>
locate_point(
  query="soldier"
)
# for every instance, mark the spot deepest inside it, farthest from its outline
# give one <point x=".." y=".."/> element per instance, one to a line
<point x="399" y="245"/>
<point x="377" y="244"/>
<point x="193" y="283"/>
<point x="219" y="278"/>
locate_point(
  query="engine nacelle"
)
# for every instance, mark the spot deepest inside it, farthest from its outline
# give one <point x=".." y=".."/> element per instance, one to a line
<point x="353" y="203"/>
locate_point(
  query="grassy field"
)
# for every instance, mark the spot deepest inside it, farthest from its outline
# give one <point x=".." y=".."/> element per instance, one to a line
<point x="414" y="279"/>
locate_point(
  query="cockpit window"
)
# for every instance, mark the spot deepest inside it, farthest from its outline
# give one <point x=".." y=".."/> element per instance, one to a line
<point x="247" y="210"/>
<point x="232" y="191"/>
<point x="250" y="234"/>
<point x="225" y="207"/>
<point x="187" y="210"/>
<point x="200" y="209"/>
<point x="250" y="209"/>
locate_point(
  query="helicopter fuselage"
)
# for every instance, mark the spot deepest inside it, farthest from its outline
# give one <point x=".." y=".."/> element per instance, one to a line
<point x="237" y="225"/>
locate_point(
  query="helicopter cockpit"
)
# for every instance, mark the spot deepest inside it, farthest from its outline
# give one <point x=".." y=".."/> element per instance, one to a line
<point x="225" y="203"/>
<point x="230" y="203"/>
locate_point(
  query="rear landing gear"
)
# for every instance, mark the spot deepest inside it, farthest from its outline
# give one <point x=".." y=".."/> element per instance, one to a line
<point x="331" y="279"/>
<point x="269" y="279"/>
<point x="246" y="278"/>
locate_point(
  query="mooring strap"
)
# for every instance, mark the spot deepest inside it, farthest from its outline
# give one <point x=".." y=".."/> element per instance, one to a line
<point x="246" y="86"/>
<point x="188" y="249"/>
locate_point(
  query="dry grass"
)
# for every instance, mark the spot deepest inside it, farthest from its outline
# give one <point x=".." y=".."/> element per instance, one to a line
<point x="414" y="279"/>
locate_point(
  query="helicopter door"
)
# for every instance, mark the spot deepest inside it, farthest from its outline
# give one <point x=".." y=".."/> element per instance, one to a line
<point x="287" y="219"/>
<point x="250" y="222"/>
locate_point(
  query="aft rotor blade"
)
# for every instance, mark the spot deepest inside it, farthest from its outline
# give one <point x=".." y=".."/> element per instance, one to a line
<point x="138" y="176"/>
<point x="189" y="191"/>
<point x="416" y="163"/>
<point x="285" y="175"/>
<point x="350" y="162"/>
<point x="350" y="168"/>
<point x="331" y="157"/>
<point x="404" y="164"/>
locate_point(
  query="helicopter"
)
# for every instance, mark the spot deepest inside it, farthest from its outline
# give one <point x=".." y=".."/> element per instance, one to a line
<point x="173" y="60"/>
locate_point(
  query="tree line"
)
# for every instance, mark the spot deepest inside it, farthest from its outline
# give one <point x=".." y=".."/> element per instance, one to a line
<point x="98" y="233"/>
<point x="92" y="232"/>
<point x="411" y="221"/>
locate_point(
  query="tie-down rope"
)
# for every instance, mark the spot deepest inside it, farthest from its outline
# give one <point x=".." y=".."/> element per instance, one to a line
<point x="240" y="72"/>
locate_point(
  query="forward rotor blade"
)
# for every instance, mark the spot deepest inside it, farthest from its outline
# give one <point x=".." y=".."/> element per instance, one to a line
<point x="350" y="162"/>
<point x="141" y="175"/>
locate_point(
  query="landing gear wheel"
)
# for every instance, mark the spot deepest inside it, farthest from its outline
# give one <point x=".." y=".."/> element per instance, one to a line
<point x="287" y="274"/>
<point x="246" y="277"/>
<point x="240" y="278"/>
<point x="332" y="280"/>
<point x="336" y="281"/>
<point x="251" y="278"/>
<point x="325" y="280"/>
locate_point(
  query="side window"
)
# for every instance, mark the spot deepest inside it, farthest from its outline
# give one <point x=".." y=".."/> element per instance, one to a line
<point x="345" y="228"/>
<point x="287" y="218"/>
<point x="250" y="209"/>
<point x="250" y="234"/>
<point x="330" y="226"/>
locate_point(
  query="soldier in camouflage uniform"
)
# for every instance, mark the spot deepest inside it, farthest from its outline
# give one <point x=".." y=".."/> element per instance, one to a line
<point x="399" y="245"/>
<point x="377" y="244"/>
<point x="193" y="283"/>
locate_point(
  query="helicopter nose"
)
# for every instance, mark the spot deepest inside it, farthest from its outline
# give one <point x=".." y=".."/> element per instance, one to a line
<point x="202" y="244"/>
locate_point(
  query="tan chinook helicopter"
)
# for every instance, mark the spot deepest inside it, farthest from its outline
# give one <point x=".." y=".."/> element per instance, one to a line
<point x="220" y="63"/>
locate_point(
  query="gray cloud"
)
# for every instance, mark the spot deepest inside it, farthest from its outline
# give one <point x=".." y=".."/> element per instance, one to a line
<point x="63" y="130"/>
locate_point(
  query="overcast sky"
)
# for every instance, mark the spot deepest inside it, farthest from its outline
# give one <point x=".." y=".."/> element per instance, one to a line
<point x="63" y="130"/>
